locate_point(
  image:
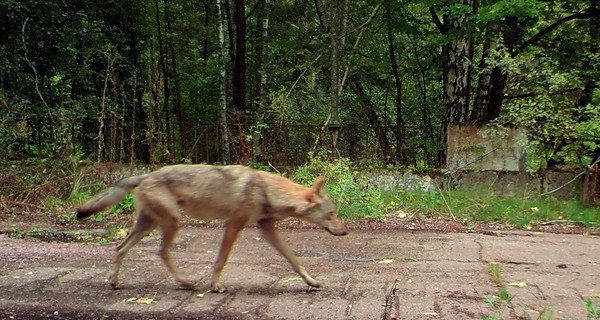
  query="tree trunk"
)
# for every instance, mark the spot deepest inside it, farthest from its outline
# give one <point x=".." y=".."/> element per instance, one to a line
<point x="333" y="123"/>
<point x="136" y="109"/>
<point x="225" y="135"/>
<point x="489" y="94"/>
<point x="262" y="28"/>
<point x="205" y="32"/>
<point x="369" y="110"/>
<point x="162" y="116"/>
<point x="239" y="78"/>
<point x="482" y="92"/>
<point x="456" y="72"/>
<point x="177" y="107"/>
<point x="399" y="130"/>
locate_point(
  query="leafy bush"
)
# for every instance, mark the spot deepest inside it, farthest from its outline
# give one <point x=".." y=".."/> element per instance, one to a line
<point x="351" y="192"/>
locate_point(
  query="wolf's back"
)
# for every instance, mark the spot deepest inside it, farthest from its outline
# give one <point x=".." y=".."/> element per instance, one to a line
<point x="109" y="196"/>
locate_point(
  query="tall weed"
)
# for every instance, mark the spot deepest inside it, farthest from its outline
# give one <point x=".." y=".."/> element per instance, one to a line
<point x="353" y="196"/>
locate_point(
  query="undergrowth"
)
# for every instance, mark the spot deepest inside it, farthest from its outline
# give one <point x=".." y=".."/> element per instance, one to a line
<point x="58" y="188"/>
<point x="351" y="192"/>
<point x="356" y="198"/>
<point x="477" y="204"/>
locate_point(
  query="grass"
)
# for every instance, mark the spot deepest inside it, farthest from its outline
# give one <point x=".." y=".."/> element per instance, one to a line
<point x="495" y="271"/>
<point x="356" y="198"/>
<point x="504" y="299"/>
<point x="475" y="205"/>
<point x="501" y="302"/>
<point x="593" y="312"/>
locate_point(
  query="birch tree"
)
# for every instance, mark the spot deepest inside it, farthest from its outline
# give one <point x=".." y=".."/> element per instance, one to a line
<point x="224" y="108"/>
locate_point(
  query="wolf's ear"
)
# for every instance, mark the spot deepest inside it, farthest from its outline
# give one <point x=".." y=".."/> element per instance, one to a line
<point x="318" y="185"/>
<point x="315" y="189"/>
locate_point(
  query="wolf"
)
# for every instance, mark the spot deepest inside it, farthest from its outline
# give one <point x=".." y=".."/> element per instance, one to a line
<point x="237" y="194"/>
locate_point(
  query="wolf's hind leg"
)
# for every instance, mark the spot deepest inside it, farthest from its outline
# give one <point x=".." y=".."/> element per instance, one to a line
<point x="143" y="226"/>
<point x="270" y="233"/>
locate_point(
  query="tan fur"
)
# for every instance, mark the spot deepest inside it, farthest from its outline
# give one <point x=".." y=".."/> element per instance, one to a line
<point x="237" y="194"/>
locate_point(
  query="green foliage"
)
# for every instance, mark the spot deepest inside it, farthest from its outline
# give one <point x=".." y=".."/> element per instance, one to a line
<point x="351" y="192"/>
<point x="593" y="312"/>
<point x="474" y="205"/>
<point x="124" y="206"/>
<point x="490" y="300"/>
<point x="495" y="271"/>
<point x="504" y="298"/>
<point x="133" y="79"/>
<point x="36" y="232"/>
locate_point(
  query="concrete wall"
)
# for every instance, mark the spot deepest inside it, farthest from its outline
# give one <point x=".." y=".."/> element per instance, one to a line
<point x="495" y="182"/>
<point x="474" y="146"/>
<point x="109" y="173"/>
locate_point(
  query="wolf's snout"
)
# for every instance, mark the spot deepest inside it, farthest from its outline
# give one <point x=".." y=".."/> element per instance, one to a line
<point x="337" y="231"/>
<point x="343" y="233"/>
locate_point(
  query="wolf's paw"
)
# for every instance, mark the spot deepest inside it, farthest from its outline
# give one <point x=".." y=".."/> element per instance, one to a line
<point x="313" y="283"/>
<point x="217" y="288"/>
<point x="187" y="285"/>
<point x="114" y="283"/>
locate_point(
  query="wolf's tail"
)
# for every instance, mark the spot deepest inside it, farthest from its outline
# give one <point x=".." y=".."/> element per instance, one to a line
<point x="109" y="196"/>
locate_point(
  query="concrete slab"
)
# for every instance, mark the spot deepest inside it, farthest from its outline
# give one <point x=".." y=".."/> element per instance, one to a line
<point x="432" y="276"/>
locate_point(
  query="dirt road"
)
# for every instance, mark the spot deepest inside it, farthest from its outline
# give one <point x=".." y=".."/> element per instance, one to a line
<point x="432" y="275"/>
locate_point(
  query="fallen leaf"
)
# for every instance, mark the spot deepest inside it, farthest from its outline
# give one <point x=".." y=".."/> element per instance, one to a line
<point x="122" y="233"/>
<point x="387" y="261"/>
<point x="292" y="279"/>
<point x="140" y="300"/>
<point x="519" y="284"/>
<point x="146" y="300"/>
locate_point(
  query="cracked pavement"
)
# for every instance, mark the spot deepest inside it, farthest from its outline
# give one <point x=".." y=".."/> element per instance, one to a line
<point x="432" y="275"/>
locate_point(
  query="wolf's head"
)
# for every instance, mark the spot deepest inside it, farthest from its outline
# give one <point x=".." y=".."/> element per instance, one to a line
<point x="322" y="211"/>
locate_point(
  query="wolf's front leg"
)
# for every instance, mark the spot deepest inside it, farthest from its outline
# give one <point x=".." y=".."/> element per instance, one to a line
<point x="232" y="229"/>
<point x="270" y="233"/>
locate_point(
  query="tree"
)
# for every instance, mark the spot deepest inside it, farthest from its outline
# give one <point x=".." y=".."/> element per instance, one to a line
<point x="333" y="122"/>
<point x="171" y="81"/>
<point x="519" y="27"/>
<point x="224" y="108"/>
<point x="239" y="79"/>
<point x="456" y="67"/>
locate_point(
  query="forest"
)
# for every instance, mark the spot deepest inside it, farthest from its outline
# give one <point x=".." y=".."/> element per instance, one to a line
<point x="278" y="81"/>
